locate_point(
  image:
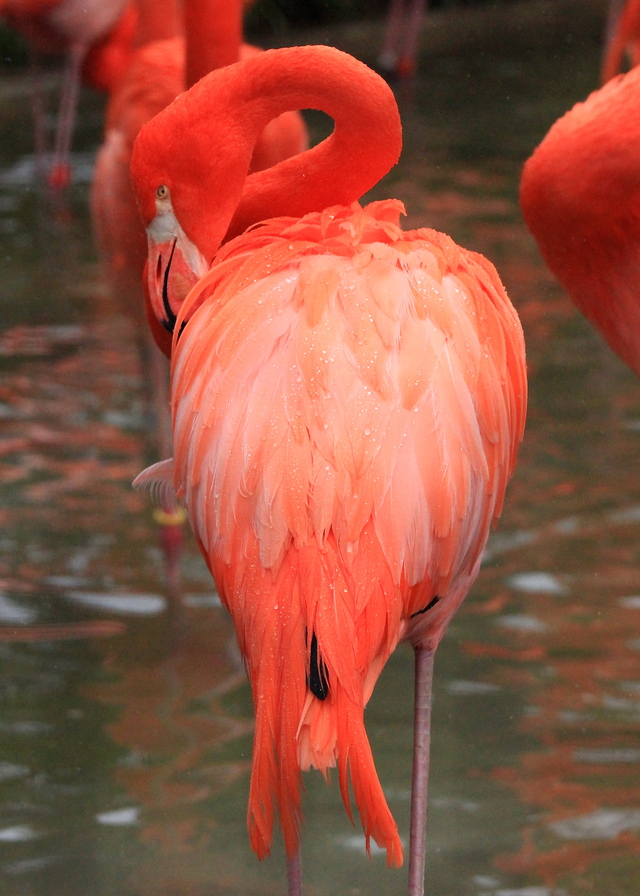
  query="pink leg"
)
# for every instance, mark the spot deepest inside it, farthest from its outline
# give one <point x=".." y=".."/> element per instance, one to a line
<point x="412" y="32"/>
<point x="614" y="12"/>
<point x="170" y="519"/>
<point x="59" y="175"/>
<point x="388" y="57"/>
<point x="294" y="875"/>
<point x="421" y="743"/>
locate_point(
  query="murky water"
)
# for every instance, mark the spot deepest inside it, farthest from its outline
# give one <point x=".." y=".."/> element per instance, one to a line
<point x="125" y="728"/>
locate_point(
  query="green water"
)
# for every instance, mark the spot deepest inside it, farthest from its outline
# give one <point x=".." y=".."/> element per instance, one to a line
<point x="124" y="754"/>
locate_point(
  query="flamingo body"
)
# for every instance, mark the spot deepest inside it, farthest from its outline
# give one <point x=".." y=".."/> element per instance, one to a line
<point x="108" y="59"/>
<point x="580" y="197"/>
<point x="343" y="446"/>
<point x="347" y="399"/>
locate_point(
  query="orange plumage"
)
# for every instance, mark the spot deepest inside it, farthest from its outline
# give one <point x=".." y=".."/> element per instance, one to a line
<point x="347" y="400"/>
<point x="342" y="439"/>
<point x="580" y="197"/>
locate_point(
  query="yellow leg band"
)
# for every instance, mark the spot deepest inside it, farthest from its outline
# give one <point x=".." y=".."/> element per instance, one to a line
<point x="175" y="518"/>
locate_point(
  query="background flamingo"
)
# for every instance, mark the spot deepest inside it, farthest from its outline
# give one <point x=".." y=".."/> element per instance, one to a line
<point x="213" y="30"/>
<point x="156" y="75"/>
<point x="347" y="401"/>
<point x="70" y="27"/>
<point x="580" y="195"/>
<point x="153" y="78"/>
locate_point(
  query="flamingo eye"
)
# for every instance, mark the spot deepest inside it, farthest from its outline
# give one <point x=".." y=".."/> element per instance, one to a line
<point x="162" y="192"/>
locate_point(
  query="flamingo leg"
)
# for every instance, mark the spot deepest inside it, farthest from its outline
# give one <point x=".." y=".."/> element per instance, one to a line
<point x="388" y="57"/>
<point x="169" y="518"/>
<point x="421" y="743"/>
<point x="59" y="175"/>
<point x="412" y="32"/>
<point x="614" y="11"/>
<point x="294" y="875"/>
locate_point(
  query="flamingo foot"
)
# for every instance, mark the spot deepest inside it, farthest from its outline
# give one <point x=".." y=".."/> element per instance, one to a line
<point x="406" y="68"/>
<point x="59" y="177"/>
<point x="421" y="743"/>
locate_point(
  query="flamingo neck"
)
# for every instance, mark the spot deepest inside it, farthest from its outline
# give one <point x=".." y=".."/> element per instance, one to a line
<point x="213" y="32"/>
<point x="223" y="115"/>
<point x="157" y="20"/>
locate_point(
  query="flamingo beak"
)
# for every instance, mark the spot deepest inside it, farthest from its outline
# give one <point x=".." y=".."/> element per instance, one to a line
<point x="174" y="266"/>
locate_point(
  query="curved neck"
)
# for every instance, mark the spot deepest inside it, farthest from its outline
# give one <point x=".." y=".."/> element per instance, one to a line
<point x="217" y="123"/>
<point x="157" y="20"/>
<point x="213" y="32"/>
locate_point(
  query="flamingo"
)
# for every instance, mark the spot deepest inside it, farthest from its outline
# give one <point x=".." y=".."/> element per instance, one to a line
<point x="70" y="27"/>
<point x="347" y="400"/>
<point x="579" y="195"/>
<point x="401" y="37"/>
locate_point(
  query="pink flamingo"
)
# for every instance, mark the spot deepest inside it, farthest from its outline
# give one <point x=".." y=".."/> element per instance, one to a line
<point x="347" y="400"/>
<point x="579" y="195"/>
<point x="70" y="27"/>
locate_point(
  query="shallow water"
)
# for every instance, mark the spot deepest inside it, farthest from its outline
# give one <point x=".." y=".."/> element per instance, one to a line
<point x="126" y="721"/>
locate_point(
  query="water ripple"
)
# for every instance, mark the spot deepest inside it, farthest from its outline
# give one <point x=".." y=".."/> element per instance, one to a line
<point x="125" y="604"/>
<point x="536" y="583"/>
<point x="116" y="817"/>
<point x="603" y="824"/>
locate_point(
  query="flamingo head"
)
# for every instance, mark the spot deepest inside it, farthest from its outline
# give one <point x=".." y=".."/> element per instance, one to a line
<point x="188" y="174"/>
<point x="174" y="263"/>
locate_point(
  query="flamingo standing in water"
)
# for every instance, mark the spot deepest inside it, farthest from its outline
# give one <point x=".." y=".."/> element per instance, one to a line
<point x="70" y="27"/>
<point x="347" y="400"/>
<point x="580" y="196"/>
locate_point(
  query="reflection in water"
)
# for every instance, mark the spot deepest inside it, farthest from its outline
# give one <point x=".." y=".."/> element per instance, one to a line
<point x="125" y="729"/>
<point x="169" y="685"/>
